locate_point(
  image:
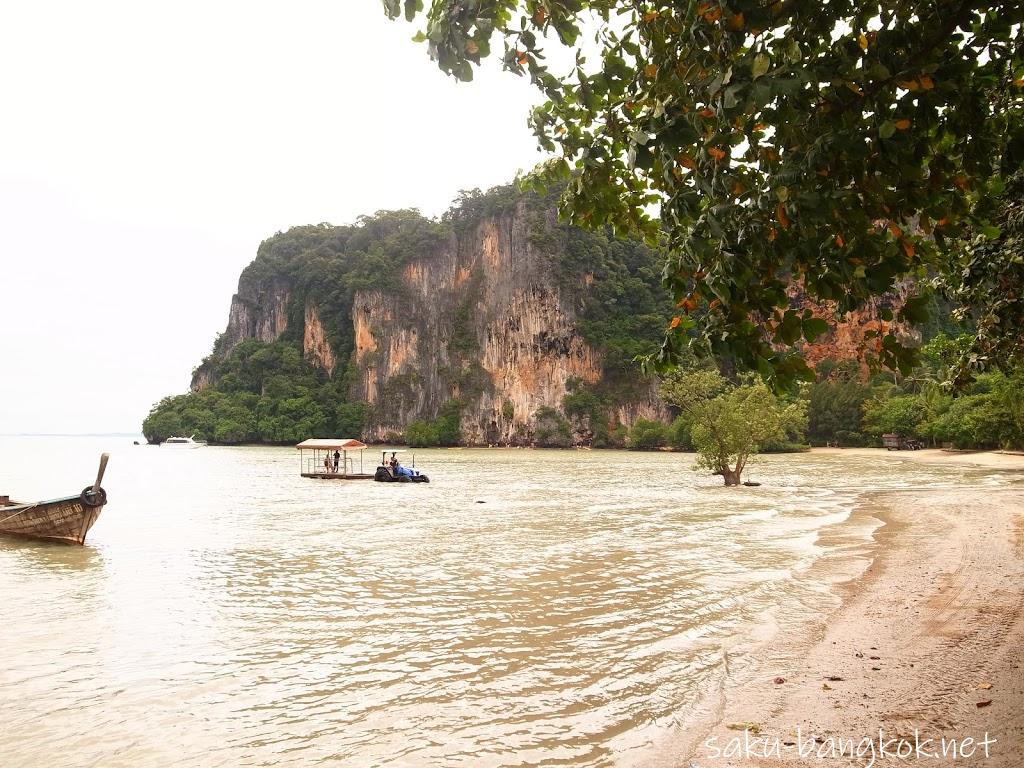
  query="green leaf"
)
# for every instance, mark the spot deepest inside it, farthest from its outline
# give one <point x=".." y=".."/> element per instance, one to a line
<point x="814" y="327"/>
<point x="887" y="129"/>
<point x="412" y="7"/>
<point x="880" y="72"/>
<point x="793" y="54"/>
<point x="762" y="63"/>
<point x="915" y="310"/>
<point x="731" y="96"/>
<point x="463" y="70"/>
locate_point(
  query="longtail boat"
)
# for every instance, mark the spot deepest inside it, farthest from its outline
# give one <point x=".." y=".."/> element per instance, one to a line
<point x="68" y="519"/>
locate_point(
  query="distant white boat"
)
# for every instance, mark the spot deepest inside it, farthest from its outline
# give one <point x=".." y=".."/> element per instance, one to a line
<point x="182" y="442"/>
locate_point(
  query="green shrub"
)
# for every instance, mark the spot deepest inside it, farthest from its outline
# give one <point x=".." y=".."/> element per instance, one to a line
<point x="551" y="430"/>
<point x="647" y="435"/>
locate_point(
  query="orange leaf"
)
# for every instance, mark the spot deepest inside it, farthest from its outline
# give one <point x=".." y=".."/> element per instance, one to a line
<point x="713" y="15"/>
<point x="650" y="16"/>
<point x="703" y="8"/>
<point x="926" y="82"/>
<point x="675" y="322"/>
<point x="908" y="248"/>
<point x="686" y="161"/>
<point x="716" y="153"/>
<point x="862" y="41"/>
<point x="736" y="22"/>
<point x="908" y="85"/>
<point x="713" y="303"/>
<point x="540" y="15"/>
<point x="522" y="58"/>
<point x="690" y="304"/>
<point x="759" y="126"/>
<point x="737" y="189"/>
<point x="707" y="112"/>
<point x="902" y="124"/>
<point x="839" y="241"/>
<point x="651" y="70"/>
<point x="896" y="231"/>
<point x="772" y="234"/>
<point x="780" y="210"/>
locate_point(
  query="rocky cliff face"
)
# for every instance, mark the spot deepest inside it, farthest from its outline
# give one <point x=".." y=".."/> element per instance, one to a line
<point x="258" y="311"/>
<point x="480" y="321"/>
<point x="847" y="339"/>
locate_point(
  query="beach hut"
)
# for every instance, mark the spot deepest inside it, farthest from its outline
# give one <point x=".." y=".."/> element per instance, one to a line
<point x="316" y="459"/>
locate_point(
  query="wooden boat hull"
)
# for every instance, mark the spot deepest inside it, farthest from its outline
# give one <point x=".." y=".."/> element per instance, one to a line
<point x="67" y="520"/>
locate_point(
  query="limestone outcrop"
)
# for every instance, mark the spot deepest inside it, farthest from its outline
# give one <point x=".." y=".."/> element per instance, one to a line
<point x="482" y="320"/>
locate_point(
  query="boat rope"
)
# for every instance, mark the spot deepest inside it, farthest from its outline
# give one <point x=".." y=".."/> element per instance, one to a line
<point x="20" y="511"/>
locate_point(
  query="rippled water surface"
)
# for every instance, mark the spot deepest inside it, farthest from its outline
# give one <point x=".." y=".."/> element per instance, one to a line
<point x="524" y="608"/>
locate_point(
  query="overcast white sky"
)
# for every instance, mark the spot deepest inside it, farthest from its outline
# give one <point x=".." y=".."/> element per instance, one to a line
<point x="146" y="150"/>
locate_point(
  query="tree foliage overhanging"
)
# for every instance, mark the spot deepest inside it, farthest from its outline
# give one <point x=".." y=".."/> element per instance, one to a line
<point x="846" y="145"/>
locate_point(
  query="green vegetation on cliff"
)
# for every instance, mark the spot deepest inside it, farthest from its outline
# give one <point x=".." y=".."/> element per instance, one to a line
<point x="264" y="393"/>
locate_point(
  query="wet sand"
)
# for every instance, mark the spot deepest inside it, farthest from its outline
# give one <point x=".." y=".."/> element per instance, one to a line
<point x="928" y="643"/>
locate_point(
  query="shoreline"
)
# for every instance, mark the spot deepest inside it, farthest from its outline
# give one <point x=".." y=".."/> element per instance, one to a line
<point x="931" y="630"/>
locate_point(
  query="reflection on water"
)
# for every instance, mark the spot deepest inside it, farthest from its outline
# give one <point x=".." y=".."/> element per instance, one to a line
<point x="228" y="612"/>
<point x="40" y="559"/>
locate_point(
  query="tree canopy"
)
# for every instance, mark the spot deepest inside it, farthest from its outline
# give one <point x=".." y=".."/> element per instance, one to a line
<point x="730" y="423"/>
<point x="844" y="145"/>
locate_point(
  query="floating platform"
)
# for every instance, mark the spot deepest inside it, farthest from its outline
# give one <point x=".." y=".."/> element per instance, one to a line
<point x="336" y="476"/>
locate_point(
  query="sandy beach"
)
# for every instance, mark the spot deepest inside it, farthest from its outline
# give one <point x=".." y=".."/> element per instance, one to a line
<point x="927" y="647"/>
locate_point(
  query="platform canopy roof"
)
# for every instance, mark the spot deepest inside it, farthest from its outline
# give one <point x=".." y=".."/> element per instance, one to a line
<point x="331" y="444"/>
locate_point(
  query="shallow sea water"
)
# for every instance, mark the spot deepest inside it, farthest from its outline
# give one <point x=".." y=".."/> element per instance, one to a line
<point x="575" y="608"/>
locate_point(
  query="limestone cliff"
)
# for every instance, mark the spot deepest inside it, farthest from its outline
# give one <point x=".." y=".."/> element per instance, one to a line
<point x="482" y="317"/>
<point x="481" y="322"/>
<point x="847" y="338"/>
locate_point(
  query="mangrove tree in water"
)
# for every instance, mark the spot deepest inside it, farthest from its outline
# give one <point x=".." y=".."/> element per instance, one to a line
<point x="731" y="423"/>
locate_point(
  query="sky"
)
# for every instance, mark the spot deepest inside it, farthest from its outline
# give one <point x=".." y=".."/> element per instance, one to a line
<point x="146" y="149"/>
